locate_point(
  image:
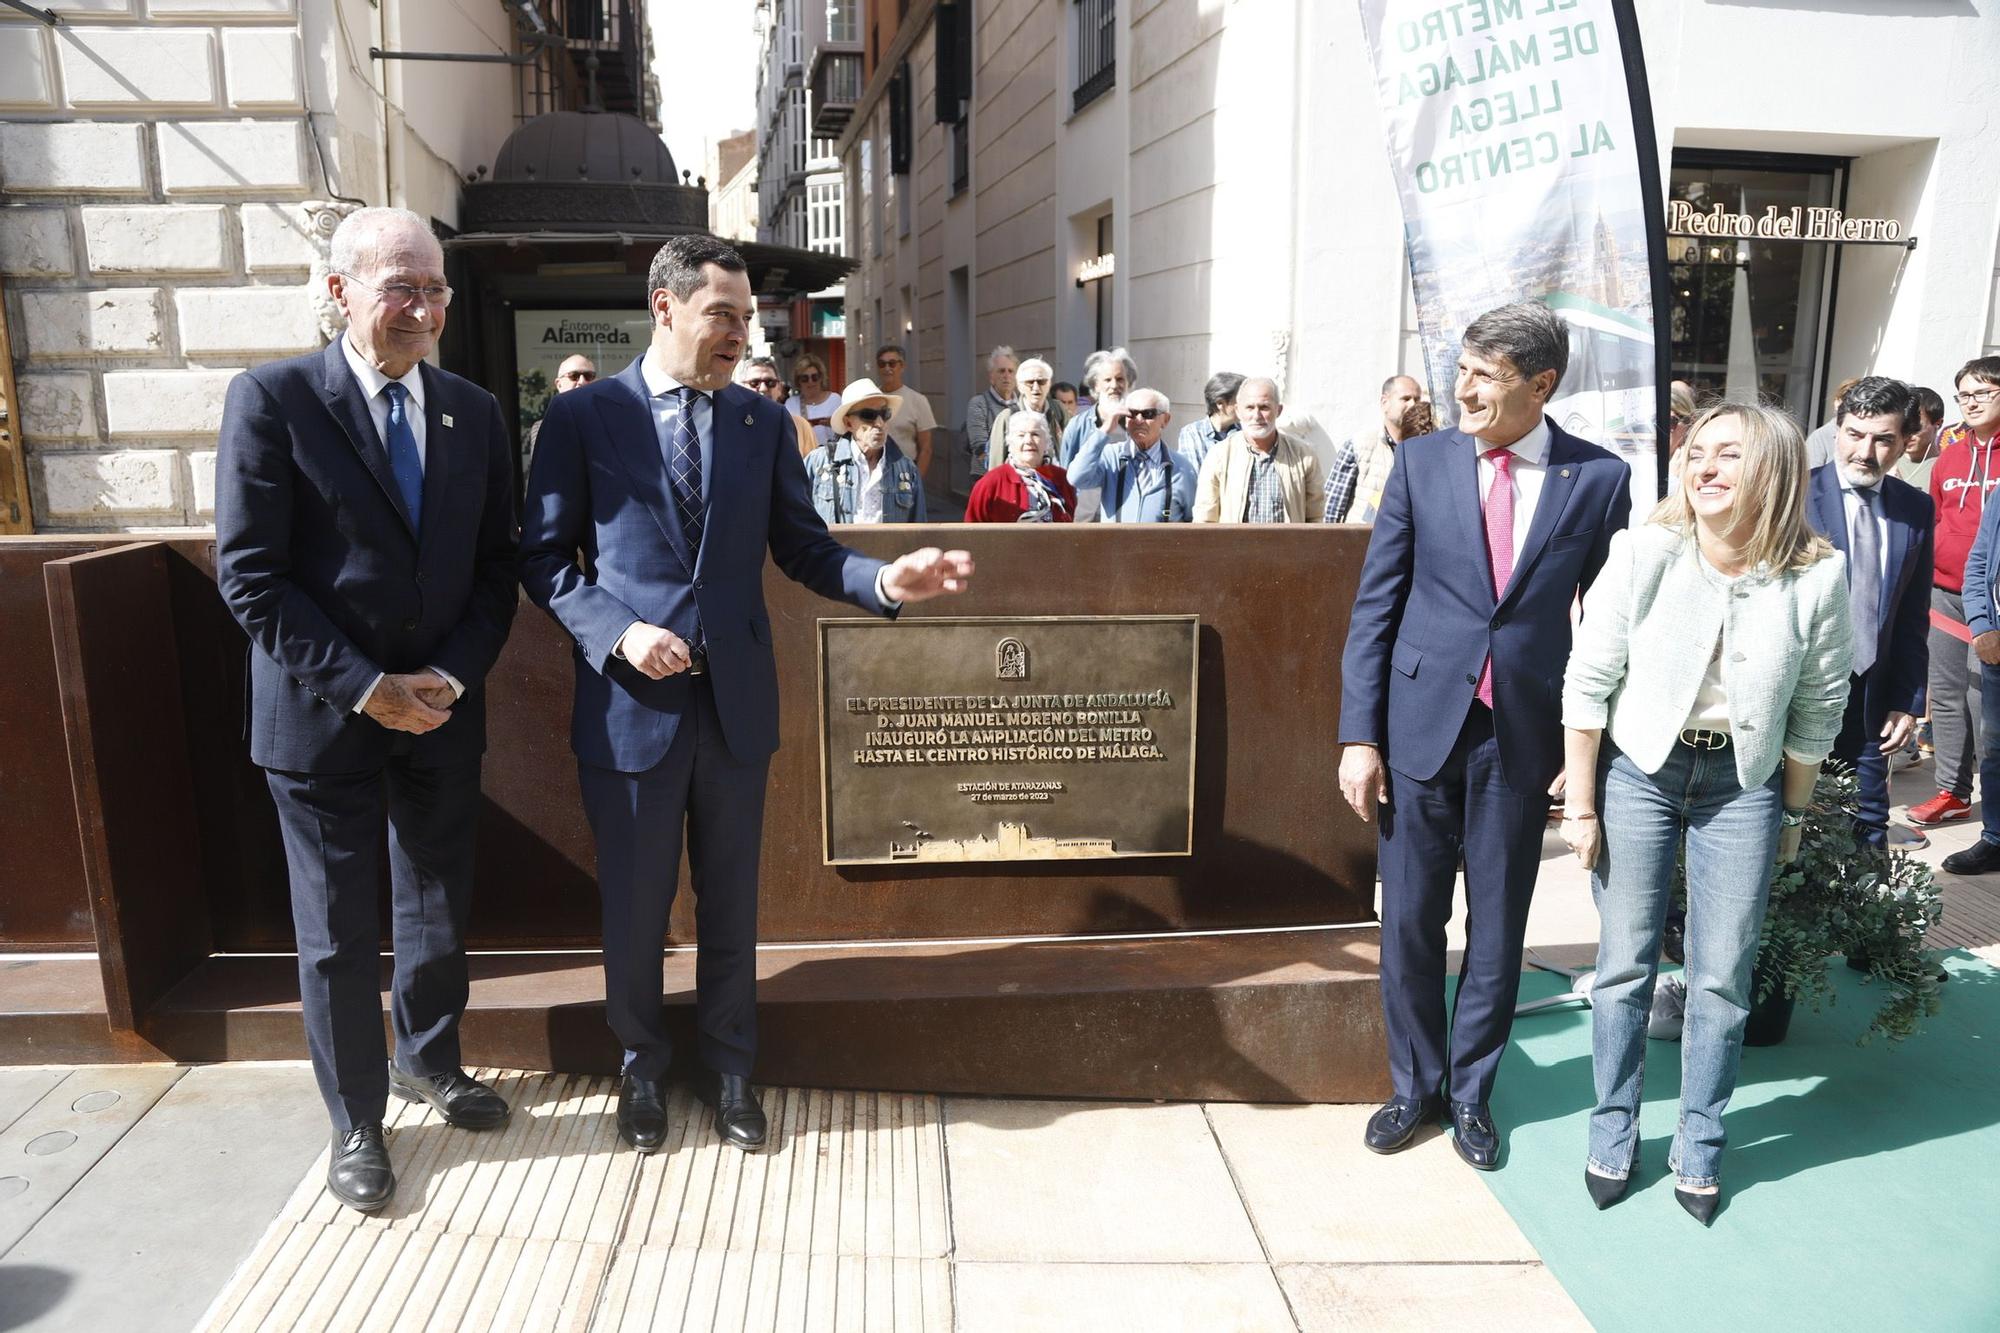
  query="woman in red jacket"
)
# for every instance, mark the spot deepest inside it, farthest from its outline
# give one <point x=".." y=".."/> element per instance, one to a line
<point x="1027" y="490"/>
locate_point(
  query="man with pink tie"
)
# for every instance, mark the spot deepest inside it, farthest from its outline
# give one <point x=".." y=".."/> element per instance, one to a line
<point x="1451" y="693"/>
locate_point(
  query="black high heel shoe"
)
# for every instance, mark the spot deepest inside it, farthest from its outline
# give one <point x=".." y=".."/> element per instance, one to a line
<point x="1604" y="1191"/>
<point x="1701" y="1207"/>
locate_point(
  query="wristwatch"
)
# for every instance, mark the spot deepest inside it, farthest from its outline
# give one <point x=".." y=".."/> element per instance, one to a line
<point x="1792" y="818"/>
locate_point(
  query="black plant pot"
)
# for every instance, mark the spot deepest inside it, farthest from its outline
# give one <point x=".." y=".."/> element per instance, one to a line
<point x="1770" y="1017"/>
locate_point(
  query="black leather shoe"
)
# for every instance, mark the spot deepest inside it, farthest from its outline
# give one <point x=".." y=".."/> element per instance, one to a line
<point x="739" y="1119"/>
<point x="1701" y="1207"/>
<point x="1604" y="1191"/>
<point x="1474" y="1136"/>
<point x="1392" y="1127"/>
<point x="642" y="1113"/>
<point x="459" y="1097"/>
<point x="359" y="1174"/>
<point x="1981" y="858"/>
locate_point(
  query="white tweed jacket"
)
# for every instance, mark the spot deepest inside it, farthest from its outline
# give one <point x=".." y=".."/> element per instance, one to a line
<point x="1649" y="629"/>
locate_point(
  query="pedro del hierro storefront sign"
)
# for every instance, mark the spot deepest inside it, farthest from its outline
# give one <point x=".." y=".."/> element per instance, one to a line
<point x="1792" y="224"/>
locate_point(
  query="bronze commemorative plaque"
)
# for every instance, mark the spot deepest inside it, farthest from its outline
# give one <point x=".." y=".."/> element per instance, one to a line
<point x="1020" y="738"/>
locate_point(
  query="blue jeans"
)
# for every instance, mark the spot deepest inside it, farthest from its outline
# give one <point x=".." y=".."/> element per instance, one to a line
<point x="1732" y="842"/>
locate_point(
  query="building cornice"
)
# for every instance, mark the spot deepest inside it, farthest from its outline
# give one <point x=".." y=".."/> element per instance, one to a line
<point x="915" y="23"/>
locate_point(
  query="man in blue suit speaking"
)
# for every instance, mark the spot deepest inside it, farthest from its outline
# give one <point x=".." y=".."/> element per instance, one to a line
<point x="1450" y="710"/>
<point x="654" y="497"/>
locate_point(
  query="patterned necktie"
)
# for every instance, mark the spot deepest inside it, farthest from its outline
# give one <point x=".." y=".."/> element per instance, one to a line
<point x="684" y="467"/>
<point x="1499" y="544"/>
<point x="1864" y="579"/>
<point x="404" y="461"/>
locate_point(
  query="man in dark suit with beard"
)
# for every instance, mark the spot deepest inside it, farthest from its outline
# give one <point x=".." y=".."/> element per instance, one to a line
<point x="365" y="542"/>
<point x="655" y="496"/>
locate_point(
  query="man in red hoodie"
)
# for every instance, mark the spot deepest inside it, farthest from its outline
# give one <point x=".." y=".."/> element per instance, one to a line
<point x="1967" y="470"/>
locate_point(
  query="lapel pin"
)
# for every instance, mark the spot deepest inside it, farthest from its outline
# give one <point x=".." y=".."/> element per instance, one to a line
<point x="1565" y="472"/>
<point x="447" y="419"/>
<point x="749" y="420"/>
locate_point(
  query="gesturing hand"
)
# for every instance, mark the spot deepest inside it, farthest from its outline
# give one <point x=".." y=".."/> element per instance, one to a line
<point x="657" y="653"/>
<point x="1363" y="780"/>
<point x="927" y="573"/>
<point x="402" y="703"/>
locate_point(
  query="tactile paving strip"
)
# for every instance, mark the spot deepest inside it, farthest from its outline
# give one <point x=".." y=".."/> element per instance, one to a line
<point x="551" y="1222"/>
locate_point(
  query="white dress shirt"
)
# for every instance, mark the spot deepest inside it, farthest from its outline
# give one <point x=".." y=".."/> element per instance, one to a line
<point x="1529" y="468"/>
<point x="373" y="381"/>
<point x="659" y="390"/>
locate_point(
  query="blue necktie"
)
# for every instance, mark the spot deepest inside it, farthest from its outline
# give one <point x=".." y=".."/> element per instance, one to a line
<point x="684" y="467"/>
<point x="404" y="460"/>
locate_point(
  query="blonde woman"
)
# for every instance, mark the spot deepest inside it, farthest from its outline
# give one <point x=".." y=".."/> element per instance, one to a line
<point x="815" y="400"/>
<point x="1715" y="649"/>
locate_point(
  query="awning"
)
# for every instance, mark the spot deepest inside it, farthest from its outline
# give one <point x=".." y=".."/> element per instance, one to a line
<point x="774" y="269"/>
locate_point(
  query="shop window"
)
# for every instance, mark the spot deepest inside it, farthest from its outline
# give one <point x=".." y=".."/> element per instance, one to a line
<point x="1750" y="316"/>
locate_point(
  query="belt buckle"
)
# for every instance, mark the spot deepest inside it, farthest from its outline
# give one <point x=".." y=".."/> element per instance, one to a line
<point x="1699" y="739"/>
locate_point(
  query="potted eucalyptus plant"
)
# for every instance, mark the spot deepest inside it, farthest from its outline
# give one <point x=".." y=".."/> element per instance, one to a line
<point x="1843" y="897"/>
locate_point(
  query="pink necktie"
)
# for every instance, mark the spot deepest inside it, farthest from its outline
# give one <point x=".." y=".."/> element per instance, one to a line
<point x="1499" y="544"/>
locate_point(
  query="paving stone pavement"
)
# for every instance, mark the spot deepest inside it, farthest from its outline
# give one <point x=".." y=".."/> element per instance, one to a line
<point x="156" y="1197"/>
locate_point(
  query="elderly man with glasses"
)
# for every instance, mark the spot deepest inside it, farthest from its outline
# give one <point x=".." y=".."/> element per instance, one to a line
<point x="1139" y="477"/>
<point x="988" y="403"/>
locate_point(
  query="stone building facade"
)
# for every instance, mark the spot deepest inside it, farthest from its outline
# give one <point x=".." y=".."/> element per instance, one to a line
<point x="170" y="173"/>
<point x="1207" y="185"/>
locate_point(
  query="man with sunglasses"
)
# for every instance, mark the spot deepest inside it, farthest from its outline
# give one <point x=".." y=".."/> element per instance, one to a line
<point x="759" y="374"/>
<point x="1142" y="478"/>
<point x="914" y="421"/>
<point x="575" y="372"/>
<point x="364" y="536"/>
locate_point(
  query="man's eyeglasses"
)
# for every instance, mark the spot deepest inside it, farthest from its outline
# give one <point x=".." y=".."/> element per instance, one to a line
<point x="1977" y="398"/>
<point x="892" y="363"/>
<point x="1033" y="381"/>
<point x="867" y="416"/>
<point x="402" y="293"/>
<point x="763" y="385"/>
<point x="580" y="376"/>
<point x="1145" y="413"/>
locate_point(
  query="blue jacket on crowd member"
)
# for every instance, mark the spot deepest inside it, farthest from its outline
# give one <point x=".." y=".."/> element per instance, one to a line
<point x="836" y="472"/>
<point x="1112" y="466"/>
<point x="1982" y="567"/>
<point x="1078" y="429"/>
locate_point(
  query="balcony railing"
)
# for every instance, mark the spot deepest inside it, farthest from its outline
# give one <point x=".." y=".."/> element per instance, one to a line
<point x="835" y="84"/>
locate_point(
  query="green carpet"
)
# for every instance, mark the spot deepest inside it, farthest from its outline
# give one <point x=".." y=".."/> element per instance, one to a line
<point x="1862" y="1183"/>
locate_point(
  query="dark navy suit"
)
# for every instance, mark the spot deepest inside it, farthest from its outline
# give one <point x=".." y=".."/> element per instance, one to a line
<point x="1465" y="781"/>
<point x="319" y="562"/>
<point x="1897" y="680"/>
<point x="602" y="547"/>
